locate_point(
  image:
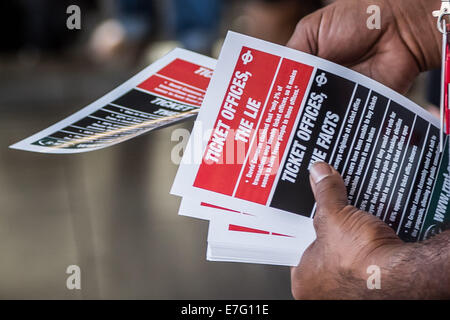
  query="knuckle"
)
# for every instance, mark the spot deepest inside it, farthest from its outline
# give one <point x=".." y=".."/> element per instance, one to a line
<point x="300" y="27"/>
<point x="303" y="36"/>
<point x="377" y="229"/>
<point x="318" y="221"/>
<point x="368" y="227"/>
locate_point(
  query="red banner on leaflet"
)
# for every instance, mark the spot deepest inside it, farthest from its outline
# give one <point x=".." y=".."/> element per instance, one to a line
<point x="273" y="134"/>
<point x="236" y="123"/>
<point x="173" y="90"/>
<point x="188" y="73"/>
<point x="233" y="227"/>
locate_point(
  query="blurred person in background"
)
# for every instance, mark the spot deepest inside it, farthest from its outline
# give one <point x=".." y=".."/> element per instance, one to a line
<point x="136" y="29"/>
<point x="196" y="24"/>
<point x="37" y="26"/>
<point x="191" y="24"/>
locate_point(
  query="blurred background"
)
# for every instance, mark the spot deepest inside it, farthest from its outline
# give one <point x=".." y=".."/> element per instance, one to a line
<point x="110" y="211"/>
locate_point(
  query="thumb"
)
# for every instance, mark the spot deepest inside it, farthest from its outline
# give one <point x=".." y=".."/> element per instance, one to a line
<point x="328" y="188"/>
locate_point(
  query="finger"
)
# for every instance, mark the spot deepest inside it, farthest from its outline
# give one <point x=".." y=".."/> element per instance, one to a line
<point x="434" y="110"/>
<point x="328" y="188"/>
<point x="304" y="37"/>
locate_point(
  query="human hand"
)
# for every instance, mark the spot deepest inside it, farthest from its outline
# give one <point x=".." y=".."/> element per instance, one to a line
<point x="407" y="43"/>
<point x="348" y="241"/>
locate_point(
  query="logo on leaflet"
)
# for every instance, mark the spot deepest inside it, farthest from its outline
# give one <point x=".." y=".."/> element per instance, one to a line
<point x="247" y="57"/>
<point x="321" y="80"/>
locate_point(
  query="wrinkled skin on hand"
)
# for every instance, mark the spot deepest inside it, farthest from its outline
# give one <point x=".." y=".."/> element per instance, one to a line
<point x="407" y="43"/>
<point x="348" y="242"/>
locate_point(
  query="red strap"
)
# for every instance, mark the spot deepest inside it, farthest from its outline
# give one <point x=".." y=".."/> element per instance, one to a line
<point x="446" y="92"/>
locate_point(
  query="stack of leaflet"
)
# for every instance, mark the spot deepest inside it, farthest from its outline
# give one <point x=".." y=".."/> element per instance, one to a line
<point x="269" y="113"/>
<point x="238" y="237"/>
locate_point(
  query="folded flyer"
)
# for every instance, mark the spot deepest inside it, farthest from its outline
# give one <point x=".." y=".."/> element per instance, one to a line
<point x="273" y="111"/>
<point x="167" y="91"/>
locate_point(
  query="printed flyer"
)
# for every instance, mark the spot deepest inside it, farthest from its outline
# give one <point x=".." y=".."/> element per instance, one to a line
<point x="274" y="111"/>
<point x="267" y="113"/>
<point x="168" y="91"/>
